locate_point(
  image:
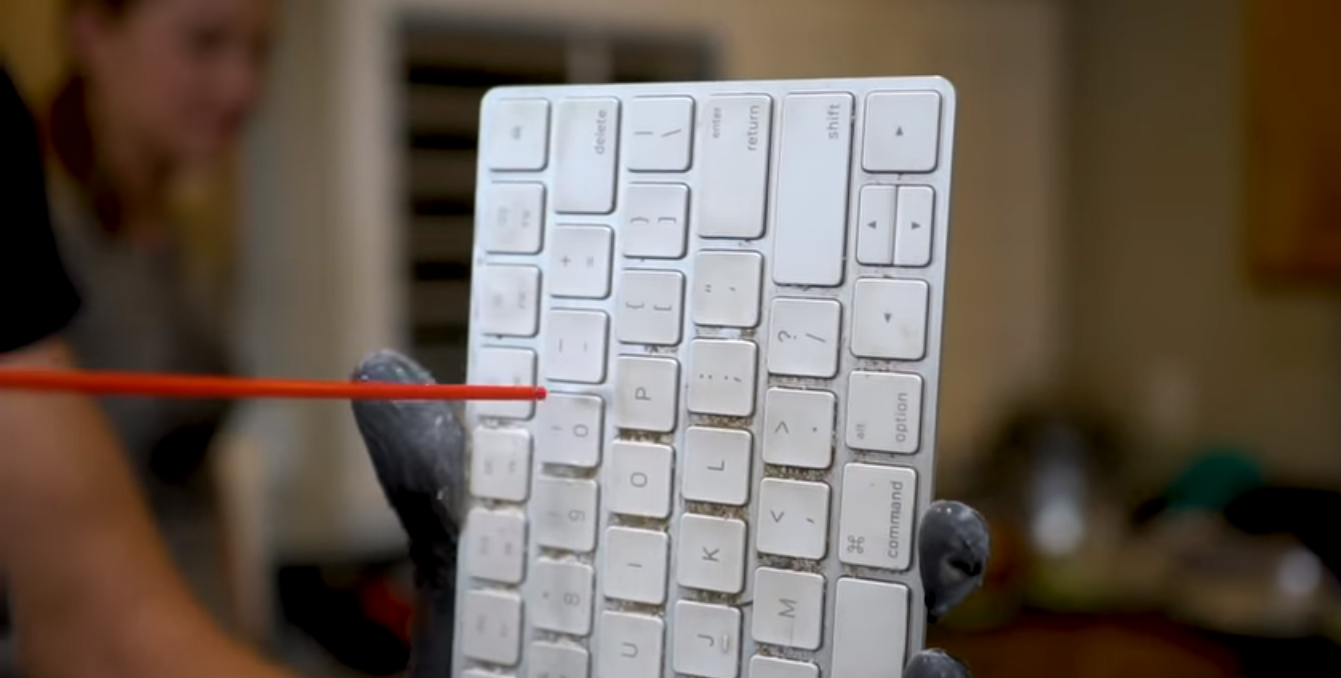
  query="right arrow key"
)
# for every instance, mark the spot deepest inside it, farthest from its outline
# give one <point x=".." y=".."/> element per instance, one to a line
<point x="913" y="220"/>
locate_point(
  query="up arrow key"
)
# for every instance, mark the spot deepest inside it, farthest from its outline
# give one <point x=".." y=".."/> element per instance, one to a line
<point x="888" y="317"/>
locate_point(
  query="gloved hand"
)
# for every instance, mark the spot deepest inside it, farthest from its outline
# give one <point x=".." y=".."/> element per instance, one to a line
<point x="418" y="451"/>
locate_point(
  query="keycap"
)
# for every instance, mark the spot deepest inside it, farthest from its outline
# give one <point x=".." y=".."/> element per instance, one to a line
<point x="711" y="553"/>
<point x="517" y="134"/>
<point x="722" y="377"/>
<point x="497" y="544"/>
<point x="650" y="307"/>
<point x="884" y="412"/>
<point x="875" y="225"/>
<point x="638" y="479"/>
<point x="914" y="225"/>
<point x="727" y="288"/>
<point x="575" y="345"/>
<point x="734" y="171"/>
<point x="647" y="394"/>
<point x="804" y="338"/>
<point x="509" y="300"/>
<point x="571" y="426"/>
<point x="636" y="562"/>
<point x="660" y="134"/>
<point x="511" y="366"/>
<point x="579" y="261"/>
<point x="560" y="597"/>
<point x="564" y="511"/>
<point x="772" y="667"/>
<point x="799" y="427"/>
<point x="793" y="518"/>
<point x="876" y="519"/>
<point x="870" y="629"/>
<point x="810" y="216"/>
<point x="656" y="221"/>
<point x="889" y="319"/>
<point x="631" y="645"/>
<point x="788" y="608"/>
<point x="552" y="660"/>
<point x="707" y="640"/>
<point x="717" y="465"/>
<point x="902" y="132"/>
<point x="500" y="466"/>
<point x="515" y="217"/>
<point x="586" y="151"/>
<point x="492" y="622"/>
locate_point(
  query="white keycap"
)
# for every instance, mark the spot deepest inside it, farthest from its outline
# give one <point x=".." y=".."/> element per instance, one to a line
<point x="516" y="218"/>
<point x="638" y="479"/>
<point x="793" y="518"/>
<point x="914" y="226"/>
<point x="810" y="211"/>
<point x="575" y="346"/>
<point x="631" y="645"/>
<point x="507" y="366"/>
<point x="870" y="629"/>
<point x="559" y="596"/>
<point x="493" y="627"/>
<point x="707" y="640"/>
<point x="876" y="519"/>
<point x="788" y="608"/>
<point x="500" y="463"/>
<point x="586" y="140"/>
<point x="571" y="430"/>
<point x="656" y="220"/>
<point x="726" y="288"/>
<point x="722" y="375"/>
<point x="772" y="667"/>
<point x="804" y="337"/>
<point x="497" y="545"/>
<point x="711" y="554"/>
<point x="509" y="300"/>
<point x="579" y="261"/>
<point x="477" y="673"/>
<point x="636" y="562"/>
<point x="889" y="319"/>
<point x="552" y="660"/>
<point x="650" y="307"/>
<point x="884" y="412"/>
<point x="517" y="134"/>
<point x="564" y="513"/>
<point x="733" y="166"/>
<point x="717" y="465"/>
<point x="902" y="132"/>
<point x="875" y="225"/>
<point x="660" y="134"/>
<point x="647" y="394"/>
<point x="798" y="427"/>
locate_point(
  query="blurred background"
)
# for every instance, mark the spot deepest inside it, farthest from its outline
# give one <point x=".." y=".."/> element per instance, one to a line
<point x="1142" y="376"/>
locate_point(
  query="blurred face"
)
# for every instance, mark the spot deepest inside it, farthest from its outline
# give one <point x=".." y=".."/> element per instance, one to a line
<point x="177" y="75"/>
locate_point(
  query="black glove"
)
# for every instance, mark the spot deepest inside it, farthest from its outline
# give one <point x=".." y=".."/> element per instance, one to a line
<point x="418" y="450"/>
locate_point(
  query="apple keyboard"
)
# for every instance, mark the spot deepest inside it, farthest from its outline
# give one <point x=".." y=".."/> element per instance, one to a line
<point x="733" y="292"/>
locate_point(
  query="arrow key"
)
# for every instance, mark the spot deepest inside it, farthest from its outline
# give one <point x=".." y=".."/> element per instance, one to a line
<point x="913" y="226"/>
<point x="875" y="213"/>
<point x="889" y="319"/>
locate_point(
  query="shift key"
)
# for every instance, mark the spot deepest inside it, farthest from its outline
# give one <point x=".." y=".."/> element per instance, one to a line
<point x="875" y="521"/>
<point x="810" y="213"/>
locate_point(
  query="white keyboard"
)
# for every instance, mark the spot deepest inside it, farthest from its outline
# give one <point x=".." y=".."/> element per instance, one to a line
<point x="733" y="291"/>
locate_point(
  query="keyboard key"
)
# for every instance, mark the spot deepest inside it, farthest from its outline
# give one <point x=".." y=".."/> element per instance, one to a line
<point x="722" y="377"/>
<point x="707" y="640"/>
<point x="788" y="608"/>
<point x="914" y="225"/>
<point x="650" y="308"/>
<point x="493" y="627"/>
<point x="560" y="597"/>
<point x="647" y="394"/>
<point x="656" y="218"/>
<point x="631" y="645"/>
<point x="660" y="134"/>
<point x="575" y="346"/>
<point x="870" y="629"/>
<point x="877" y="516"/>
<point x="889" y="319"/>
<point x="884" y="412"/>
<point x="635" y="565"/>
<point x="579" y="261"/>
<point x="733" y="170"/>
<point x="726" y="288"/>
<point x="902" y="132"/>
<point x="805" y="336"/>
<point x="510" y="300"/>
<point x="516" y="218"/>
<point x="875" y="225"/>
<point x="500" y="463"/>
<point x="516" y="134"/>
<point x="717" y="465"/>
<point x="508" y="366"/>
<point x="772" y="667"/>
<point x="497" y="545"/>
<point x="810" y="215"/>
<point x="552" y="660"/>
<point x="586" y="139"/>
<point x="571" y="427"/>
<point x="798" y="427"/>
<point x="638" y="479"/>
<point x="711" y="554"/>
<point x="793" y="518"/>
<point x="564" y="510"/>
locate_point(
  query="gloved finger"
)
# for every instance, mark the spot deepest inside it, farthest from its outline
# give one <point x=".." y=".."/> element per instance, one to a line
<point x="417" y="449"/>
<point x="933" y="663"/>
<point x="953" y="549"/>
